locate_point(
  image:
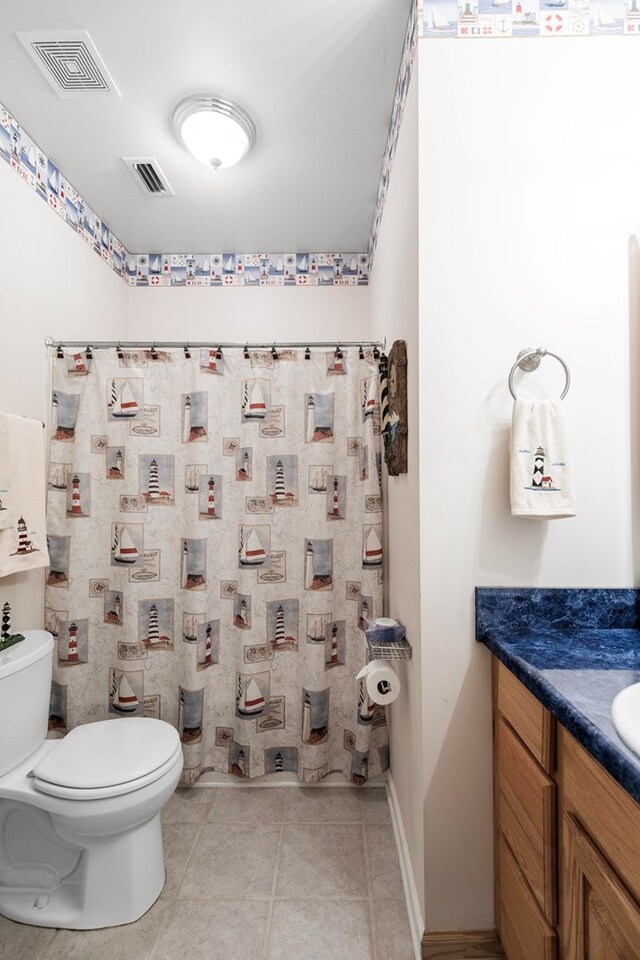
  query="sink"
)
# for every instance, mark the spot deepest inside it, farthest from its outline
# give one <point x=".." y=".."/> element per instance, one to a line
<point x="625" y="713"/>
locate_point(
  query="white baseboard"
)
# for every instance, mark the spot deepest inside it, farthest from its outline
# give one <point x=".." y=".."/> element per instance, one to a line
<point x="414" y="910"/>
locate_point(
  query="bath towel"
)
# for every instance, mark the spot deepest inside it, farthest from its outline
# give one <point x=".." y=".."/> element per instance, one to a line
<point x="542" y="485"/>
<point x="23" y="533"/>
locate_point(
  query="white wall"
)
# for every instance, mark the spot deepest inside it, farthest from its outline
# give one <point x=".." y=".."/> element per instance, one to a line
<point x="528" y="195"/>
<point x="394" y="314"/>
<point x="52" y="284"/>
<point x="258" y="314"/>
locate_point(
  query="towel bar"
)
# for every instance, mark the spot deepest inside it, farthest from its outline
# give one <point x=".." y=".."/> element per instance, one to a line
<point x="529" y="359"/>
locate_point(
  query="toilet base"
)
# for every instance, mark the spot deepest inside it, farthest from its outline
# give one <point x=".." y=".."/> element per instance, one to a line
<point x="116" y="881"/>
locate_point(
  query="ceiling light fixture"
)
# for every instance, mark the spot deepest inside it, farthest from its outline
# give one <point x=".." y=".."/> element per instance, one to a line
<point x="216" y="132"/>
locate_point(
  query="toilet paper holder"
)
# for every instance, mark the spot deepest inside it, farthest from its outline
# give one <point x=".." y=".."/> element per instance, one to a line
<point x="386" y="649"/>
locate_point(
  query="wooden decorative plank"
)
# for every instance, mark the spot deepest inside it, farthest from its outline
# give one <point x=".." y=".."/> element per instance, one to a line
<point x="462" y="945"/>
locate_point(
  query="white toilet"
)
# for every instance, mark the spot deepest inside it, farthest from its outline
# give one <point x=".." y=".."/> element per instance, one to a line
<point x="80" y="838"/>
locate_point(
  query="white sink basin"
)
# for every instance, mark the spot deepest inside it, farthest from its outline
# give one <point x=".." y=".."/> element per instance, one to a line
<point x="625" y="713"/>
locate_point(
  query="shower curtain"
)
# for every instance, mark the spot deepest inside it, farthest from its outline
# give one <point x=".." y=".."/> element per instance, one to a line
<point x="215" y="528"/>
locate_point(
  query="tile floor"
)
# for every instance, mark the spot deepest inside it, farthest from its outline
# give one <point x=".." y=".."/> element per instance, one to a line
<point x="258" y="874"/>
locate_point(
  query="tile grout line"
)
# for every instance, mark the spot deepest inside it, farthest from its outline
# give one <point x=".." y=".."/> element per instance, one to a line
<point x="372" y="924"/>
<point x="267" y="931"/>
<point x="187" y="862"/>
<point x="42" y="954"/>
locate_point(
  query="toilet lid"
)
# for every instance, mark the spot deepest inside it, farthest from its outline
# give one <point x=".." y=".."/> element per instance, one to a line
<point x="108" y="753"/>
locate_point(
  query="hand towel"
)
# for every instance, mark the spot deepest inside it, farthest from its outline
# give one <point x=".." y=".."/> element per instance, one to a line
<point x="541" y="468"/>
<point x="23" y="534"/>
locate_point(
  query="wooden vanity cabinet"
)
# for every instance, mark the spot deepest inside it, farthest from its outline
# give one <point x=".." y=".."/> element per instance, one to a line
<point x="566" y="840"/>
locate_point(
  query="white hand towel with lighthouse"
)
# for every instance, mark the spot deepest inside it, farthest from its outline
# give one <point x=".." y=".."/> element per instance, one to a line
<point x="23" y="538"/>
<point x="541" y="467"/>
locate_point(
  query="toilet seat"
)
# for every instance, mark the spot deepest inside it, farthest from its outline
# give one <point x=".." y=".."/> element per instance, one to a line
<point x="108" y="758"/>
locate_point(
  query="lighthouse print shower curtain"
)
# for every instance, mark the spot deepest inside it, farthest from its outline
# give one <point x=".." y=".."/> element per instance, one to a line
<point x="215" y="543"/>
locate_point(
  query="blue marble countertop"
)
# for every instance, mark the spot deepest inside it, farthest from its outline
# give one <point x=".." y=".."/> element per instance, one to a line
<point x="574" y="649"/>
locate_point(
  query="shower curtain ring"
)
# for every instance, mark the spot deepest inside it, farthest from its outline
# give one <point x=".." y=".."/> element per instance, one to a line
<point x="154" y="352"/>
<point x="60" y="352"/>
<point x="307" y="354"/>
<point x="187" y="352"/>
<point x="119" y="351"/>
<point x="246" y="350"/>
<point x="274" y="352"/>
<point x="88" y="352"/>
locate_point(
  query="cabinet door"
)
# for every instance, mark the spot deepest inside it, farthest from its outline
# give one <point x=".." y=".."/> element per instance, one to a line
<point x="601" y="918"/>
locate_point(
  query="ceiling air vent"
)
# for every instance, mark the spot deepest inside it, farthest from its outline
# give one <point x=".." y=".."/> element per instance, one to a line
<point x="70" y="62"/>
<point x="149" y="176"/>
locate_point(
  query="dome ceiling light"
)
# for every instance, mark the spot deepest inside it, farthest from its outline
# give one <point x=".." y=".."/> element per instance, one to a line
<point x="216" y="132"/>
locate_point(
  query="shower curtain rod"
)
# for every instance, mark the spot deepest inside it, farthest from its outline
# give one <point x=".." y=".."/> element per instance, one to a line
<point x="106" y="344"/>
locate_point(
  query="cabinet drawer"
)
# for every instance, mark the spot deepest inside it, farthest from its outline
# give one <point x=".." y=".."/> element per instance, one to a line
<point x="527" y="817"/>
<point x="525" y="933"/>
<point x="527" y="716"/>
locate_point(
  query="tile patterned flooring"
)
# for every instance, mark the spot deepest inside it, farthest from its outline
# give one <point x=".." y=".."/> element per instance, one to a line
<point x="257" y="874"/>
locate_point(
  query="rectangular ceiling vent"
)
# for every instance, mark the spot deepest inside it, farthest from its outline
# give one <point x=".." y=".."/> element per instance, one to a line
<point x="149" y="176"/>
<point x="70" y="62"/>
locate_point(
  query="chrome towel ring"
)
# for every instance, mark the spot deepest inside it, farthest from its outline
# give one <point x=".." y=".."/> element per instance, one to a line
<point x="529" y="359"/>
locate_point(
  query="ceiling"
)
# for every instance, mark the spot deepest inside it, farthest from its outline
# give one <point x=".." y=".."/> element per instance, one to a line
<point x="317" y="77"/>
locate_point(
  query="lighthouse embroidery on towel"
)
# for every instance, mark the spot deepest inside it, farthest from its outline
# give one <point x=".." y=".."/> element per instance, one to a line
<point x="540" y="480"/>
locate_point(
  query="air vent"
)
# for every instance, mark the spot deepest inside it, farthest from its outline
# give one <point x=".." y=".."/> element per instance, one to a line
<point x="149" y="176"/>
<point x="71" y="63"/>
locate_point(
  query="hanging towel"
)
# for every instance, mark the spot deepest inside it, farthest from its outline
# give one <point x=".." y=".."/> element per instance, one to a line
<point x="23" y="534"/>
<point x="541" y="467"/>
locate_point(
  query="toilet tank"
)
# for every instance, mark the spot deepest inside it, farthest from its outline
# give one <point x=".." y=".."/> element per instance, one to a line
<point x="25" y="690"/>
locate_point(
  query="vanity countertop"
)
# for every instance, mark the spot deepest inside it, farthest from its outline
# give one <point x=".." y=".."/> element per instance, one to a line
<point x="574" y="649"/>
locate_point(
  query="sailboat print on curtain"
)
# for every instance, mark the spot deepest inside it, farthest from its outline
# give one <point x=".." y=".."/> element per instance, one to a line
<point x="255" y="546"/>
<point x="127" y="544"/>
<point x="318" y="475"/>
<point x="252" y="694"/>
<point x="316" y="627"/>
<point x="191" y="623"/>
<point x="212" y="626"/>
<point x="125" y="398"/>
<point x="126" y="692"/>
<point x="192" y="474"/>
<point x="256" y="399"/>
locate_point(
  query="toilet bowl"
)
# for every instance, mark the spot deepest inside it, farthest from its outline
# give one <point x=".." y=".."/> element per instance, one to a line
<point x="80" y="837"/>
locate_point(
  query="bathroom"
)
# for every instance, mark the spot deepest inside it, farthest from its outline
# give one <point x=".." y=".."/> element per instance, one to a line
<point x="506" y="218"/>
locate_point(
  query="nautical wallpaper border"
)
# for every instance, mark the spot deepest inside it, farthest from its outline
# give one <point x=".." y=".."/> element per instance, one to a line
<point x="473" y="19"/>
<point x="223" y="269"/>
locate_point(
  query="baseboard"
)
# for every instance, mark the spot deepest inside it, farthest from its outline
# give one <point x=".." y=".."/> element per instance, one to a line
<point x="414" y="910"/>
<point x="459" y="944"/>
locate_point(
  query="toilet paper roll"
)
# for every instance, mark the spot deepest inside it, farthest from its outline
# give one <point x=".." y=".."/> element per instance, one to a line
<point x="383" y="683"/>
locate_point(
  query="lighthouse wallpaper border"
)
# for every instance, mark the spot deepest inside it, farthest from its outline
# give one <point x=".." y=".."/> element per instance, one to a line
<point x="477" y="19"/>
<point x="217" y="573"/>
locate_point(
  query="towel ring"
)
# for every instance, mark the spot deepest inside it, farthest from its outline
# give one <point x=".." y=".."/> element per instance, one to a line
<point x="529" y="360"/>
